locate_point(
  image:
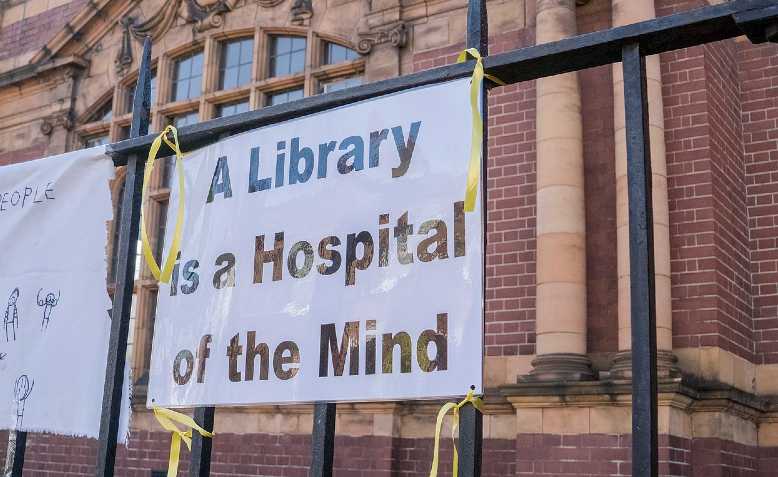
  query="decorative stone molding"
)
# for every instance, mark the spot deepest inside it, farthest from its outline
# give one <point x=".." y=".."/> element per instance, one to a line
<point x="158" y="24"/>
<point x="396" y="35"/>
<point x="269" y="3"/>
<point x="204" y="14"/>
<point x="552" y="367"/>
<point x="301" y="12"/>
<point x="666" y="366"/>
<point x="123" y="60"/>
<point x="208" y="14"/>
<point x="56" y="120"/>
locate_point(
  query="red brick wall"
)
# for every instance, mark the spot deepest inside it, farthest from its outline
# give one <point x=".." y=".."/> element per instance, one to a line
<point x="510" y="274"/>
<point x="260" y="454"/>
<point x="729" y="200"/>
<point x="34" y="32"/>
<point x="720" y="458"/>
<point x="706" y="188"/>
<point x="35" y="151"/>
<point x="602" y="295"/>
<point x="289" y="456"/>
<point x="759" y="98"/>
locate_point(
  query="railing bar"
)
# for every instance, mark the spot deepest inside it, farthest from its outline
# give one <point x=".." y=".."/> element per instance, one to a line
<point x="125" y="276"/>
<point x="641" y="254"/>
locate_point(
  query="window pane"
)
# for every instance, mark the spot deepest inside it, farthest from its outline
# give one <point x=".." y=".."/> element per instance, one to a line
<point x="285" y="96"/>
<point x="334" y="53"/>
<point x="187" y="75"/>
<point x="287" y="55"/>
<point x="229" y="109"/>
<point x="185" y="119"/>
<point x="235" y="66"/>
<point x="338" y="84"/>
<point x="103" y="113"/>
<point x="95" y="141"/>
<point x="167" y="170"/>
<point x="161" y="232"/>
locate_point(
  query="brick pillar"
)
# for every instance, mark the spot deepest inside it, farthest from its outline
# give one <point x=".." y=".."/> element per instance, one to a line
<point x="561" y="215"/>
<point x="626" y="12"/>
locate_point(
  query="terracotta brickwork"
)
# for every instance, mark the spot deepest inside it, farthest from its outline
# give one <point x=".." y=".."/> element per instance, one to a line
<point x="510" y="283"/>
<point x="759" y="100"/>
<point x="260" y="454"/>
<point x="32" y="32"/>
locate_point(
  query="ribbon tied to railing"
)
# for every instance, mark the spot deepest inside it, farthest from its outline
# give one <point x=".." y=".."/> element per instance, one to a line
<point x="168" y="420"/>
<point x="164" y="274"/>
<point x="448" y="407"/>
<point x="477" y="135"/>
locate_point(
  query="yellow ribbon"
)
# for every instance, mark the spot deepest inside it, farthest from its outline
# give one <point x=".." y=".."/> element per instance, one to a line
<point x="168" y="419"/>
<point x="470" y="398"/>
<point x="477" y="137"/>
<point x="167" y="268"/>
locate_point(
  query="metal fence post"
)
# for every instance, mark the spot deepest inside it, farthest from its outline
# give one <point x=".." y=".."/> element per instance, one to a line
<point x="641" y="262"/>
<point x="200" y="458"/>
<point x="125" y="275"/>
<point x="14" y="461"/>
<point x="471" y="420"/>
<point x="323" y="439"/>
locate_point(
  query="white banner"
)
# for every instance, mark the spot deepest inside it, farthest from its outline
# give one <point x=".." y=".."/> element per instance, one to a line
<point x="327" y="258"/>
<point x="53" y="299"/>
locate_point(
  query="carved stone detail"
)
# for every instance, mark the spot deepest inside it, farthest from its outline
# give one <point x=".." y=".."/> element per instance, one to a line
<point x="158" y="24"/>
<point x="56" y="120"/>
<point x="396" y="35"/>
<point x="208" y="16"/>
<point x="269" y="3"/>
<point x="203" y="14"/>
<point x="301" y="12"/>
<point x="123" y="60"/>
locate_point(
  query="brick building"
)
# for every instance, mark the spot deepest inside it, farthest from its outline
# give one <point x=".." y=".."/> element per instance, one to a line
<point x="557" y="360"/>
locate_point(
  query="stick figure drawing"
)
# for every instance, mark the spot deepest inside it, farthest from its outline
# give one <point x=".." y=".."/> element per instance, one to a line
<point x="22" y="390"/>
<point x="11" y="317"/>
<point x="48" y="303"/>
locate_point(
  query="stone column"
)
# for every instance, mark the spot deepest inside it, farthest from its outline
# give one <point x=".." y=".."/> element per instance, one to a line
<point x="561" y="215"/>
<point x="626" y="12"/>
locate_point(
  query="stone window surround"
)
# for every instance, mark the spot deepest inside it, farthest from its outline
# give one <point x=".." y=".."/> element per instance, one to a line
<point x="257" y="92"/>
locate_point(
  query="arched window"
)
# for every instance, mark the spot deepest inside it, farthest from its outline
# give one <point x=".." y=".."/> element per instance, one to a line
<point x="218" y="75"/>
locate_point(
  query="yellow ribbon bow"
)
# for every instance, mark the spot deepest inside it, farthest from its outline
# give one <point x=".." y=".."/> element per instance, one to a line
<point x="470" y="398"/>
<point x="168" y="419"/>
<point x="477" y="137"/>
<point x="167" y="268"/>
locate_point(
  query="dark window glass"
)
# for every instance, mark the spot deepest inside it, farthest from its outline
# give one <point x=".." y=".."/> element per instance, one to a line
<point x="161" y="231"/>
<point x="338" y="84"/>
<point x="287" y="55"/>
<point x="124" y="132"/>
<point x="168" y="170"/>
<point x="334" y="53"/>
<point x="95" y="141"/>
<point x="186" y="119"/>
<point x="131" y="92"/>
<point x="235" y="66"/>
<point x="228" y="109"/>
<point x="187" y="77"/>
<point x="104" y="113"/>
<point x="284" y="96"/>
